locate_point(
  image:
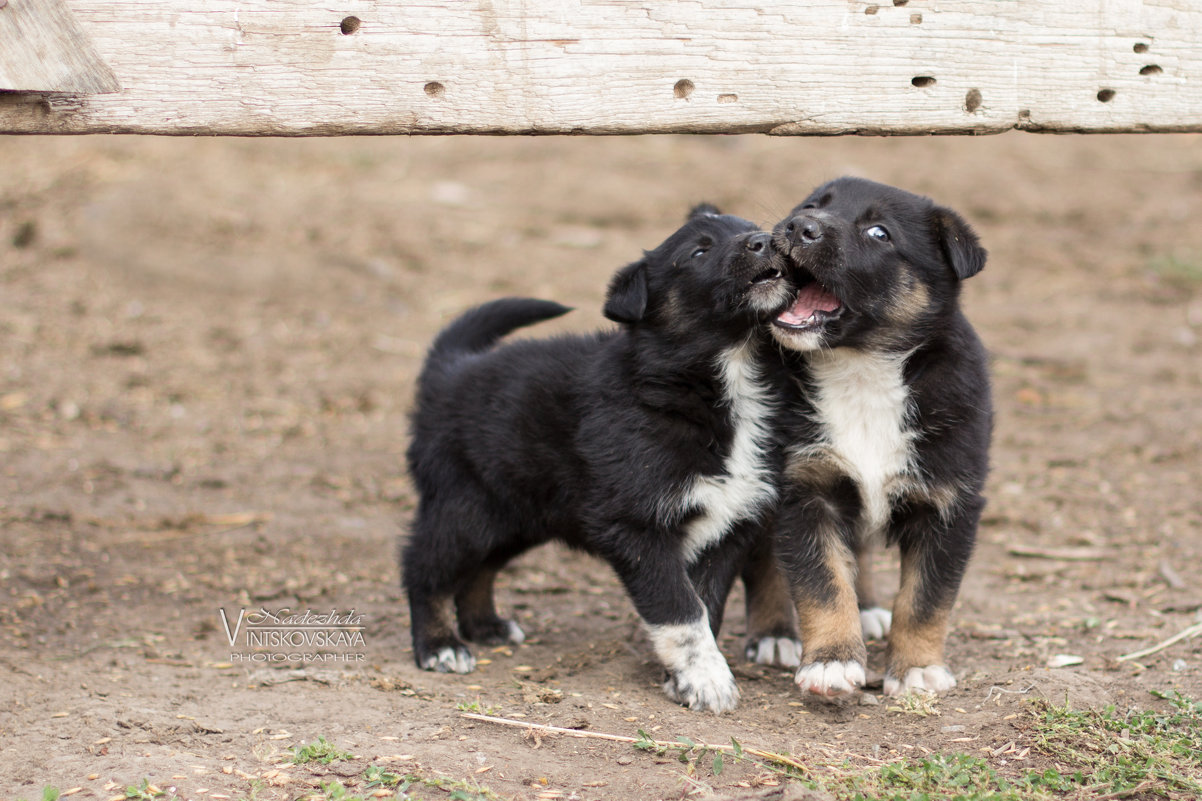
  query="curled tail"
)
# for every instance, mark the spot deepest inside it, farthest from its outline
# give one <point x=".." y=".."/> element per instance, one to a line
<point x="479" y="328"/>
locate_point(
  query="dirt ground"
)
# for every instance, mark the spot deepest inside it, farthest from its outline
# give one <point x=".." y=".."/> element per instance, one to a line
<point x="207" y="353"/>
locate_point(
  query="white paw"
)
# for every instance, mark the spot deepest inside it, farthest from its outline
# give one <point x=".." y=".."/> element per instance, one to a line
<point x="698" y="675"/>
<point x="516" y="635"/>
<point x="876" y="622"/>
<point x="929" y="679"/>
<point x="779" y="651"/>
<point x="451" y="660"/>
<point x="712" y="693"/>
<point x="831" y="679"/>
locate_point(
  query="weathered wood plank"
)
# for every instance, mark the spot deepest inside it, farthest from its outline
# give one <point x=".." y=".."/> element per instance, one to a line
<point x="274" y="67"/>
<point x="43" y="49"/>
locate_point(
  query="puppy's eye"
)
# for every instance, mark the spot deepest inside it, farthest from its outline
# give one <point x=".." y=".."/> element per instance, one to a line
<point x="878" y="233"/>
<point x="698" y="253"/>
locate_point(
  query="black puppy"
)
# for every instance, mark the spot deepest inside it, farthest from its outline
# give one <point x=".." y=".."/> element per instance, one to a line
<point x="648" y="446"/>
<point x="890" y="433"/>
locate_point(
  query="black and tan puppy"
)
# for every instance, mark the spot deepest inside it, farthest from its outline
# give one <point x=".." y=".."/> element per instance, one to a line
<point x="648" y="446"/>
<point x="891" y="428"/>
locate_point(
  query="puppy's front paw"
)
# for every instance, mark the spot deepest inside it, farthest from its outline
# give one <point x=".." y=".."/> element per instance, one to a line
<point x="929" y="679"/>
<point x="698" y="675"/>
<point x="875" y="622"/>
<point x="703" y="691"/>
<point x="448" y="659"/>
<point x="778" y="651"/>
<point x="831" y="679"/>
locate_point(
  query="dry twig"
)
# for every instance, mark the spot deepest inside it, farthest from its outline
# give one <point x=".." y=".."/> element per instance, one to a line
<point x="618" y="738"/>
<point x="1184" y="634"/>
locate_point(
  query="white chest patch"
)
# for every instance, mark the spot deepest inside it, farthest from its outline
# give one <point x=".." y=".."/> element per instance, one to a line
<point x="747" y="485"/>
<point x="863" y="405"/>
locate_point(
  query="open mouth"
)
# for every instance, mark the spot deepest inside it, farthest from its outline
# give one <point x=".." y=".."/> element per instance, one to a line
<point x="767" y="274"/>
<point x="812" y="308"/>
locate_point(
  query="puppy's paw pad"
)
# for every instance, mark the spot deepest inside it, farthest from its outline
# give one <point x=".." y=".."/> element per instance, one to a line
<point x="876" y="622"/>
<point x="929" y="679"/>
<point x="450" y="660"/>
<point x="703" y="694"/>
<point x="778" y="651"/>
<point x="831" y="679"/>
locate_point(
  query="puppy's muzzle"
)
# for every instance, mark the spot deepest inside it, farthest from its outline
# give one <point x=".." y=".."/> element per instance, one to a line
<point x="764" y="265"/>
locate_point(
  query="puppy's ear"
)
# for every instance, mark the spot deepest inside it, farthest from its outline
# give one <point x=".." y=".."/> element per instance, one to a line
<point x="960" y="245"/>
<point x="626" y="301"/>
<point x="701" y="210"/>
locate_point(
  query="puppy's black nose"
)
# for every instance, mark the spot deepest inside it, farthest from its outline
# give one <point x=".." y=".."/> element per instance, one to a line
<point x="803" y="230"/>
<point x="759" y="243"/>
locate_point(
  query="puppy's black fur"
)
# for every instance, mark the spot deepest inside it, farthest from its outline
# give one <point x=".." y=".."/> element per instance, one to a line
<point x="890" y="430"/>
<point x="647" y="446"/>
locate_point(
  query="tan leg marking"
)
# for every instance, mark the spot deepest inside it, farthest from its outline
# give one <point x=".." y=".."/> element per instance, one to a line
<point x="916" y="647"/>
<point x="769" y="604"/>
<point x="830" y="630"/>
<point x="771" y="624"/>
<point x="865" y="585"/>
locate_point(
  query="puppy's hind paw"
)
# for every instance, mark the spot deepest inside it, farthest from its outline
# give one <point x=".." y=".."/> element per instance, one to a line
<point x="491" y="631"/>
<point x="929" y="679"/>
<point x="831" y="679"/>
<point x="451" y="659"/>
<point x="876" y="622"/>
<point x="778" y="651"/>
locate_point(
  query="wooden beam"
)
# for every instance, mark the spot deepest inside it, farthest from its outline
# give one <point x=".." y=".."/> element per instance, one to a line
<point x="272" y="67"/>
<point x="43" y="49"/>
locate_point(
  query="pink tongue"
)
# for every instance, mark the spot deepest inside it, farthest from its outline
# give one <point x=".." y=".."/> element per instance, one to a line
<point x="809" y="300"/>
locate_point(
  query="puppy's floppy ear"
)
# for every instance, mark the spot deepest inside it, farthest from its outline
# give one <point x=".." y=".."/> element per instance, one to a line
<point x="960" y="245"/>
<point x="701" y="210"/>
<point x="626" y="301"/>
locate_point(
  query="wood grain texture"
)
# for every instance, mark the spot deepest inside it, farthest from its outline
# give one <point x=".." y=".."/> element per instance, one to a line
<point x="284" y="67"/>
<point x="43" y="49"/>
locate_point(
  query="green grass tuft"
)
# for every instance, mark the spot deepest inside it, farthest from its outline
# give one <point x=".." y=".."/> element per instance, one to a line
<point x="1185" y="273"/>
<point x="320" y="751"/>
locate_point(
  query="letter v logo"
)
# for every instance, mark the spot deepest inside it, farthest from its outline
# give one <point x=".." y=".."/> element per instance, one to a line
<point x="225" y="621"/>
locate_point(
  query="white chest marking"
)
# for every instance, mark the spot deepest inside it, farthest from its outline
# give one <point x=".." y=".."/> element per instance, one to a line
<point x="747" y="485"/>
<point x="863" y="405"/>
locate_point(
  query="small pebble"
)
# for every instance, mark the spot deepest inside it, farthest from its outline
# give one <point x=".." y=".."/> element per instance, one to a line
<point x="867" y="699"/>
<point x="1179" y="665"/>
<point x="625" y="760"/>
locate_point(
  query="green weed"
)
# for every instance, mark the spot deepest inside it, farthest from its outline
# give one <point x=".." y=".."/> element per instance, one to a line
<point x="1186" y="273"/>
<point x="1094" y="753"/>
<point x="144" y="792"/>
<point x="404" y="787"/>
<point x="320" y="751"/>
<point x="1114" y="752"/>
<point x="477" y="707"/>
